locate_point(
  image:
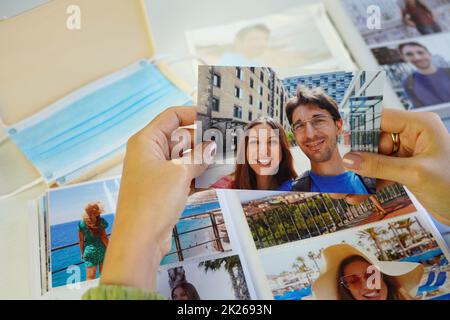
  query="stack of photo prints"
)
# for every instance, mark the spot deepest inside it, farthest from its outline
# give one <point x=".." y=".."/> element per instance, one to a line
<point x="408" y="46"/>
<point x="269" y="219"/>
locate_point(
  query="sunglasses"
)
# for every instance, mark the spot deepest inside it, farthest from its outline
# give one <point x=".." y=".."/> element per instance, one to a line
<point x="356" y="281"/>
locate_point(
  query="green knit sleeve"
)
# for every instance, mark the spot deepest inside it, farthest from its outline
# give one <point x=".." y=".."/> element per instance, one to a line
<point x="114" y="292"/>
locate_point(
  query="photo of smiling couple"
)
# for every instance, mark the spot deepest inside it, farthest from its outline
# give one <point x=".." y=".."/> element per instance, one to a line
<point x="288" y="134"/>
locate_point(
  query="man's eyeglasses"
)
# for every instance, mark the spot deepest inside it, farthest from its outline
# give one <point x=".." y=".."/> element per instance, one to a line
<point x="317" y="122"/>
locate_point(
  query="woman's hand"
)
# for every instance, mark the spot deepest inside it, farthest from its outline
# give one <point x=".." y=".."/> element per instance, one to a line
<point x="422" y="162"/>
<point x="155" y="183"/>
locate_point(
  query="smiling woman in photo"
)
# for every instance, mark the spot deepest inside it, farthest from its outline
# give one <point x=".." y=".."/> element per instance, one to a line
<point x="185" y="291"/>
<point x="264" y="159"/>
<point x="351" y="275"/>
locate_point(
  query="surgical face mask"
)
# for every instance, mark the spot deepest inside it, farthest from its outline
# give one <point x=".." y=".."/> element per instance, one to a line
<point x="94" y="123"/>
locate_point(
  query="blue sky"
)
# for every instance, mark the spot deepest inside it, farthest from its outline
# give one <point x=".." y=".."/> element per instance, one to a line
<point x="67" y="204"/>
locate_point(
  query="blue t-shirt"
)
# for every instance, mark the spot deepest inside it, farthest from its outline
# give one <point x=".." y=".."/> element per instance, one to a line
<point x="347" y="182"/>
<point x="429" y="89"/>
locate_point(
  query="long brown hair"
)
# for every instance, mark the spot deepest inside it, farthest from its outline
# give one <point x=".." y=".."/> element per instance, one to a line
<point x="394" y="291"/>
<point x="189" y="289"/>
<point x="92" y="218"/>
<point x="420" y="4"/>
<point x="245" y="177"/>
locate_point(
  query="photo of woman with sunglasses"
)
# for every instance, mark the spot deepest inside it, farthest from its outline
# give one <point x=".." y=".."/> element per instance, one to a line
<point x="353" y="275"/>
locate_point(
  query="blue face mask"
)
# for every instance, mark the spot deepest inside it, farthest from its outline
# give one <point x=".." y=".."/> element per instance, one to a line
<point x="95" y="122"/>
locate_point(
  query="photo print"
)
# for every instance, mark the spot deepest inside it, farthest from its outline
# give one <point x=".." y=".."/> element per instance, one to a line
<point x="400" y="19"/>
<point x="275" y="218"/>
<point x="292" y="40"/>
<point x="192" y="280"/>
<point x="81" y="219"/>
<point x="200" y="231"/>
<point x="290" y="133"/>
<point x="419" y="71"/>
<point x="409" y="265"/>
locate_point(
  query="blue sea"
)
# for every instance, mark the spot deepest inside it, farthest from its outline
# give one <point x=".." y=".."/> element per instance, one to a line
<point x="193" y="238"/>
<point x="67" y="233"/>
<point x="194" y="209"/>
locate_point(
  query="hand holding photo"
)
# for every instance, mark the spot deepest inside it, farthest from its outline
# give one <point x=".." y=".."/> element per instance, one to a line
<point x="288" y="134"/>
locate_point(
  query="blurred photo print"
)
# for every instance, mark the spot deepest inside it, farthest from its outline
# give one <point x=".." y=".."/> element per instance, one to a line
<point x="400" y="19"/>
<point x="291" y="40"/>
<point x="419" y="70"/>
<point x="288" y="133"/>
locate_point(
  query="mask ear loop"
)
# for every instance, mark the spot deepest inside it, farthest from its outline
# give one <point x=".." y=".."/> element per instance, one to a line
<point x="24" y="187"/>
<point x="5" y="137"/>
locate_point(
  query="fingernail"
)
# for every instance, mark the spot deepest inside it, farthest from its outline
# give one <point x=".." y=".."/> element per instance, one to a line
<point x="210" y="152"/>
<point x="352" y="161"/>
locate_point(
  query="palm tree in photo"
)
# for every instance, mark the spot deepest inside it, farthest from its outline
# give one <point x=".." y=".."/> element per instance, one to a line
<point x="314" y="204"/>
<point x="301" y="266"/>
<point x="393" y="228"/>
<point x="298" y="216"/>
<point x="373" y="235"/>
<point x="289" y="219"/>
<point x="406" y="224"/>
<point x="234" y="269"/>
<point x="313" y="257"/>
<point x="304" y="206"/>
<point x="329" y="210"/>
<point x="426" y="233"/>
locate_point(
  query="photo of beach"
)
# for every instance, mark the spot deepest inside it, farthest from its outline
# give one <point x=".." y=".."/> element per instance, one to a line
<point x="275" y="218"/>
<point x="293" y="268"/>
<point x="192" y="280"/>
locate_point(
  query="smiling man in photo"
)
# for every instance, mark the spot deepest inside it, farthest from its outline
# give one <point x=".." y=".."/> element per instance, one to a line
<point x="429" y="84"/>
<point x="317" y="124"/>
